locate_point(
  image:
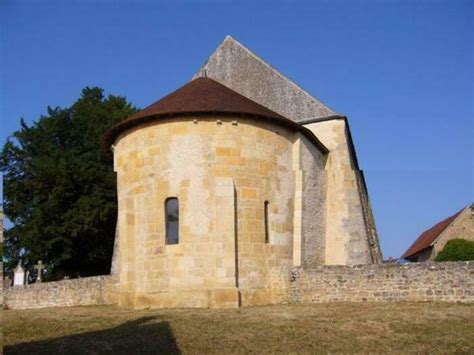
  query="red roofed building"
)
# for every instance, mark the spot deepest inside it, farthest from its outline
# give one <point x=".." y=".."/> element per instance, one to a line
<point x="432" y="241"/>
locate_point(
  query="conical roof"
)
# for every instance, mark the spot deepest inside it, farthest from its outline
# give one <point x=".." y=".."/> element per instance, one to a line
<point x="203" y="96"/>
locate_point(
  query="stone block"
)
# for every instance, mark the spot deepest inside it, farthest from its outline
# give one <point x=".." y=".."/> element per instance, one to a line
<point x="224" y="298"/>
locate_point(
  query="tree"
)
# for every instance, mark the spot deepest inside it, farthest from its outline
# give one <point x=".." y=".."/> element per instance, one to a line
<point x="457" y="250"/>
<point x="60" y="189"/>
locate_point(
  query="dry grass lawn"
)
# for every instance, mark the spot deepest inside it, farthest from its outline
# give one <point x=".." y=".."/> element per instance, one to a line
<point x="312" y="328"/>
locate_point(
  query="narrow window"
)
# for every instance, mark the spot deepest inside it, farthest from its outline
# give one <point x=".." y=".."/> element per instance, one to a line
<point x="172" y="220"/>
<point x="267" y="232"/>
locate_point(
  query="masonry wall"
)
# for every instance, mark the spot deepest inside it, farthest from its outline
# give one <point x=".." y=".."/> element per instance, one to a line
<point x="450" y="281"/>
<point x="222" y="169"/>
<point x="462" y="227"/>
<point x="351" y="236"/>
<point x="347" y="237"/>
<point x="1" y="256"/>
<point x="86" y="291"/>
<point x="447" y="282"/>
<point x="313" y="205"/>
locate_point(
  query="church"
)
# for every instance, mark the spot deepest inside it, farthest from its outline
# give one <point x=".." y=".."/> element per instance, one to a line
<point x="230" y="181"/>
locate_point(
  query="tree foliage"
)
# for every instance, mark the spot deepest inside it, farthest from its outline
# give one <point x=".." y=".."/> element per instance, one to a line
<point x="457" y="250"/>
<point x="60" y="189"/>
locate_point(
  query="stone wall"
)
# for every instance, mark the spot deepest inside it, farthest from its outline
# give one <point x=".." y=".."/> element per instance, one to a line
<point x="447" y="282"/>
<point x="223" y="170"/>
<point x="450" y="281"/>
<point x="86" y="291"/>
<point x="462" y="227"/>
<point x="313" y="196"/>
<point x="1" y="256"/>
<point x="347" y="237"/>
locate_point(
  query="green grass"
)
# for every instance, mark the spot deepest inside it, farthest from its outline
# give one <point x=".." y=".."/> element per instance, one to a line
<point x="315" y="328"/>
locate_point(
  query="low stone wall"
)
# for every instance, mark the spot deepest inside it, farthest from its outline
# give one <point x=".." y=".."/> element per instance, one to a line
<point x="450" y="281"/>
<point x="95" y="290"/>
<point x="1" y="275"/>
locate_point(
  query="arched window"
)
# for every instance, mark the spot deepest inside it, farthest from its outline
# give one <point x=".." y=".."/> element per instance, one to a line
<point x="267" y="231"/>
<point x="172" y="220"/>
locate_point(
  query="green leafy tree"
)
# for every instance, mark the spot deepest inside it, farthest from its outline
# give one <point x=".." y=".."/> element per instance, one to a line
<point x="60" y="189"/>
<point x="457" y="250"/>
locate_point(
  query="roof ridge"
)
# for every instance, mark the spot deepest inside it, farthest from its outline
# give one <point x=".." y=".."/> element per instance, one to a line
<point x="238" y="67"/>
<point x="279" y="73"/>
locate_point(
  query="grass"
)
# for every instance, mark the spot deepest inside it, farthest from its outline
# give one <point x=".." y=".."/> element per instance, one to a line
<point x="310" y="328"/>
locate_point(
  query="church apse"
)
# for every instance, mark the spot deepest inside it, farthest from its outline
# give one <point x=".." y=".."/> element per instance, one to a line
<point x="232" y="177"/>
<point x="262" y="176"/>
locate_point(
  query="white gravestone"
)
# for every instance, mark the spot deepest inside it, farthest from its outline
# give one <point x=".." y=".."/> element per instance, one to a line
<point x="18" y="275"/>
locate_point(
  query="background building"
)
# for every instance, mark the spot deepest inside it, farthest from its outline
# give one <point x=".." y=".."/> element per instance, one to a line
<point x="458" y="226"/>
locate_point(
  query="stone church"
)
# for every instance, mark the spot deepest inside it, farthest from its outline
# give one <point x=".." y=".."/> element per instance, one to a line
<point x="231" y="180"/>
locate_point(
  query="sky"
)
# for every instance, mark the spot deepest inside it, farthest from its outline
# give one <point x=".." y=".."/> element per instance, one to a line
<point x="402" y="71"/>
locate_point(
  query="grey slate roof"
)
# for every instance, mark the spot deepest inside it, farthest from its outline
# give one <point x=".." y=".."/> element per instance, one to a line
<point x="236" y="67"/>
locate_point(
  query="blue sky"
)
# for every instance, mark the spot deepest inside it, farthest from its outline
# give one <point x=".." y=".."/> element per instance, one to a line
<point x="402" y="71"/>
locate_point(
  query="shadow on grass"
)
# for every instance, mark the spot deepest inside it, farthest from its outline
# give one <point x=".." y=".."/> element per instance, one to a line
<point x="132" y="337"/>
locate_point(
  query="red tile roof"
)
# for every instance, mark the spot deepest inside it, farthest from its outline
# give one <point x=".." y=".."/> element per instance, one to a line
<point x="429" y="236"/>
<point x="203" y="96"/>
